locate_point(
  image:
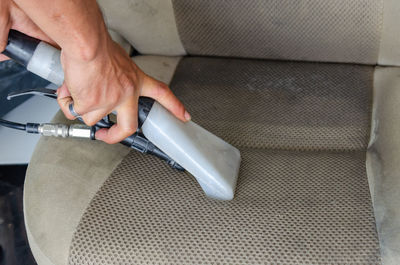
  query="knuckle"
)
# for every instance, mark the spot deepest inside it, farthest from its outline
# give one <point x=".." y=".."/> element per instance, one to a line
<point x="86" y="54"/>
<point x="90" y="121"/>
<point x="90" y="102"/>
<point x="64" y="109"/>
<point x="68" y="115"/>
<point x="162" y="90"/>
<point x="128" y="129"/>
<point x="110" y="141"/>
<point x="114" y="97"/>
<point x="162" y="86"/>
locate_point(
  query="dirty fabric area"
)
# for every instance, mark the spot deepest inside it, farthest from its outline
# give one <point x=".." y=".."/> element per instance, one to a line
<point x="302" y="194"/>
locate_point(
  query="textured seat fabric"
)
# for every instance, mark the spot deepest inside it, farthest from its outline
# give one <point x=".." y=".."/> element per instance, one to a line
<point x="59" y="185"/>
<point x="357" y="31"/>
<point x="302" y="195"/>
<point x="335" y="31"/>
<point x="279" y="105"/>
<point x="303" y="129"/>
<point x="290" y="208"/>
<point x="148" y="25"/>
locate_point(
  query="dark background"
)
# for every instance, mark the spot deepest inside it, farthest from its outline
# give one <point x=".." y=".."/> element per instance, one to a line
<point x="14" y="248"/>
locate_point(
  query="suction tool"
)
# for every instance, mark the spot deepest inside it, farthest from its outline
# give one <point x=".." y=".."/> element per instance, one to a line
<point x="213" y="162"/>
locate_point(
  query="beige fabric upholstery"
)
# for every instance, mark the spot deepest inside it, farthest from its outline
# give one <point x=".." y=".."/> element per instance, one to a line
<point x="149" y="25"/>
<point x="390" y="41"/>
<point x="290" y="208"/>
<point x="295" y="199"/>
<point x="313" y="30"/>
<point x="336" y="34"/>
<point x="326" y="113"/>
<point x="383" y="161"/>
<point x="59" y="186"/>
<point x="385" y="78"/>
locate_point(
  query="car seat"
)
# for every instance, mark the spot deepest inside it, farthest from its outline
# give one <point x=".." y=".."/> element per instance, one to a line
<point x="309" y="93"/>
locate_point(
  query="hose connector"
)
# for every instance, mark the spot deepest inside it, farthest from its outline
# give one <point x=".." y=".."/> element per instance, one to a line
<point x="56" y="130"/>
<point x="81" y="131"/>
<point x="64" y="131"/>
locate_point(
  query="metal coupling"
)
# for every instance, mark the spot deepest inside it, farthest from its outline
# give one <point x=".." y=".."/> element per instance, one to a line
<point x="56" y="130"/>
<point x="63" y="130"/>
<point x="80" y="131"/>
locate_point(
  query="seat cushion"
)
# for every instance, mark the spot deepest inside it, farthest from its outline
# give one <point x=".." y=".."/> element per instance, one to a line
<point x="358" y="31"/>
<point x="302" y="194"/>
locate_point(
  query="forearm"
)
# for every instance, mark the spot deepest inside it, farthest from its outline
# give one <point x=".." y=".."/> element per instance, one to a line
<point x="77" y="26"/>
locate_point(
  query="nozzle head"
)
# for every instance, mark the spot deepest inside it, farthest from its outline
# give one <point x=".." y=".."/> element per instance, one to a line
<point x="212" y="161"/>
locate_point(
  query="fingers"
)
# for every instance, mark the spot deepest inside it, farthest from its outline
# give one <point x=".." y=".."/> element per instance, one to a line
<point x="161" y="92"/>
<point x="126" y="118"/>
<point x="3" y="58"/>
<point x="64" y="100"/>
<point x="126" y="124"/>
<point x="91" y="118"/>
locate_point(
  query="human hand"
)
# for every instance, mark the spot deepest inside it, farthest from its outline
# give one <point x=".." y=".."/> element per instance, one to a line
<point x="111" y="81"/>
<point x="99" y="76"/>
<point x="12" y="17"/>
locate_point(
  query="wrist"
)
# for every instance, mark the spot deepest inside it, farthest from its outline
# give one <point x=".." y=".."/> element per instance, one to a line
<point x="87" y="38"/>
<point x="87" y="48"/>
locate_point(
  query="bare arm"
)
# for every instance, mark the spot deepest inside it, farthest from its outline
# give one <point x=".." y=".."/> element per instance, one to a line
<point x="11" y="16"/>
<point x="99" y="76"/>
<point x="76" y="25"/>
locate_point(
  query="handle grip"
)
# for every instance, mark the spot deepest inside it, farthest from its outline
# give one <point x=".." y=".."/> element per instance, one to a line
<point x="20" y="47"/>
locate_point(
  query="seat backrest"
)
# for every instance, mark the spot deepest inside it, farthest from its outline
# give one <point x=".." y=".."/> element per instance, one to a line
<point x="349" y="31"/>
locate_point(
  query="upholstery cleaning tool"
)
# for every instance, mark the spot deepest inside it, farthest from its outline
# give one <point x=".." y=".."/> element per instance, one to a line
<point x="213" y="162"/>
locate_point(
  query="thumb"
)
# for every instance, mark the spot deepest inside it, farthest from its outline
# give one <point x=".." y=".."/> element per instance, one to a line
<point x="64" y="99"/>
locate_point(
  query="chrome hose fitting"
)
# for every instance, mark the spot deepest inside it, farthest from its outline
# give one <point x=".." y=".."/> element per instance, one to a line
<point x="80" y="131"/>
<point x="63" y="130"/>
